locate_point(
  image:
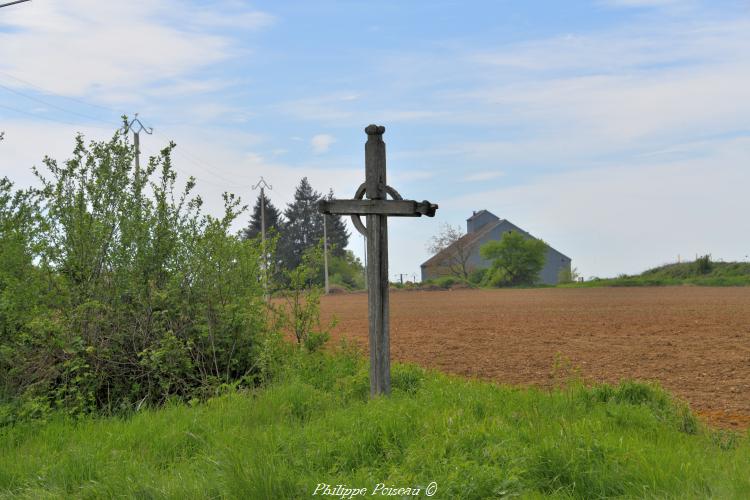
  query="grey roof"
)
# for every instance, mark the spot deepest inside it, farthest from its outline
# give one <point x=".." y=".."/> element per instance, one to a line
<point x="477" y="214"/>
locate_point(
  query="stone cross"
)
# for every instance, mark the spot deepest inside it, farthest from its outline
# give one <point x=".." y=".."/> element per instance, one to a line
<point x="377" y="208"/>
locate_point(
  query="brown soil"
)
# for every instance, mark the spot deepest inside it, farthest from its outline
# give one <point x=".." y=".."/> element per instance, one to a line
<point x="695" y="341"/>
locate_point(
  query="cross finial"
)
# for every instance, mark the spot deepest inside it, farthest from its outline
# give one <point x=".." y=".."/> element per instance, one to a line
<point x="375" y="130"/>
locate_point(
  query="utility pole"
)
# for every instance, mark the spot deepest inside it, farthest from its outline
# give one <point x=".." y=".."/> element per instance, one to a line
<point x="263" y="184"/>
<point x="401" y="277"/>
<point x="137" y="127"/>
<point x="325" y="250"/>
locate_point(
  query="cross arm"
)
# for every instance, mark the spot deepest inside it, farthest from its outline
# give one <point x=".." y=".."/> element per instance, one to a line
<point x="396" y="208"/>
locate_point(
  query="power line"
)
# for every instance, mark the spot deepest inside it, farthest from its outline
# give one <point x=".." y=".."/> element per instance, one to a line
<point x="47" y="91"/>
<point x="13" y="3"/>
<point x="204" y="167"/>
<point x="156" y="152"/>
<point x="34" y="115"/>
<point x="46" y="103"/>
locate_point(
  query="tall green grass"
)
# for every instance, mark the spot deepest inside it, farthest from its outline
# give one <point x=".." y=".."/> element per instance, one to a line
<point x="316" y="424"/>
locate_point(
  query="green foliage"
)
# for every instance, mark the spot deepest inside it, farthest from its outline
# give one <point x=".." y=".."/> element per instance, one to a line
<point x="515" y="260"/>
<point x="567" y="275"/>
<point x="303" y="228"/>
<point x="301" y="312"/>
<point x="476" y="277"/>
<point x="317" y="424"/>
<point x="116" y="291"/>
<point x="446" y="281"/>
<point x="684" y="273"/>
<point x="703" y="265"/>
<point x="338" y="234"/>
<point x="346" y="270"/>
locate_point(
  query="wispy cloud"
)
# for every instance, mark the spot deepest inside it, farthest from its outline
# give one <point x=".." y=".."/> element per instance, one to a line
<point x="321" y="143"/>
<point x="326" y="108"/>
<point x="108" y="48"/>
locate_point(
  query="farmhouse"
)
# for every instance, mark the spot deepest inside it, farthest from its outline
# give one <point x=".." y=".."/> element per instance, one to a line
<point x="482" y="227"/>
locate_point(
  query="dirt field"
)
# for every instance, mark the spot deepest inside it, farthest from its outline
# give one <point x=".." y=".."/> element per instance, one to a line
<point x="695" y="341"/>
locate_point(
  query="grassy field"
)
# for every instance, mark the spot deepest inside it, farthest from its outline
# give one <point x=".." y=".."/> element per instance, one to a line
<point x="316" y="425"/>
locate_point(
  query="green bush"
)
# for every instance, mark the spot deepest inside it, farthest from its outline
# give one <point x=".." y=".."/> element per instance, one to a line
<point x="446" y="281"/>
<point x="346" y="271"/>
<point x="116" y="291"/>
<point x="476" y="277"/>
<point x="703" y="265"/>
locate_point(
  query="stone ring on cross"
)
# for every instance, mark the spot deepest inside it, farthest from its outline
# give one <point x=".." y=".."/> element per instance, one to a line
<point x="424" y="208"/>
<point x="396" y="207"/>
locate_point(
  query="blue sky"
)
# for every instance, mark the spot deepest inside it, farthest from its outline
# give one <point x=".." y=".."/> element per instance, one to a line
<point x="616" y="130"/>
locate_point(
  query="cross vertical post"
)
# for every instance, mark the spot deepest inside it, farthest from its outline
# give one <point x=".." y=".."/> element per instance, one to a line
<point x="325" y="252"/>
<point x="377" y="264"/>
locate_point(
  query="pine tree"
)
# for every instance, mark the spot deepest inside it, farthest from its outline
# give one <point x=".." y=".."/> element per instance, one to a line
<point x="272" y="215"/>
<point x="338" y="235"/>
<point x="303" y="227"/>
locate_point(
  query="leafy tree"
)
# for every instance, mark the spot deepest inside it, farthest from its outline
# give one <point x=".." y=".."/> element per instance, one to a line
<point x="515" y="260"/>
<point x="456" y="259"/>
<point x="272" y="216"/>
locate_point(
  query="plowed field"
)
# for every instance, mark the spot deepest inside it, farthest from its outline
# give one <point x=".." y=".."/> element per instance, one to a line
<point x="695" y="341"/>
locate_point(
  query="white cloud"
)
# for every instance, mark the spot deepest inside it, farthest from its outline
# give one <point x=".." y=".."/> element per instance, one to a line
<point x="321" y="143"/>
<point x="105" y="49"/>
<point x="334" y="107"/>
<point x="629" y="92"/>
<point x="240" y="19"/>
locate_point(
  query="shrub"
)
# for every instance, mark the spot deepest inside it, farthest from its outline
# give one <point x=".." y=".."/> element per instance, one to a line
<point x="567" y="275"/>
<point x="116" y="291"/>
<point x="301" y="313"/>
<point x="446" y="281"/>
<point x="703" y="265"/>
<point x="477" y="276"/>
